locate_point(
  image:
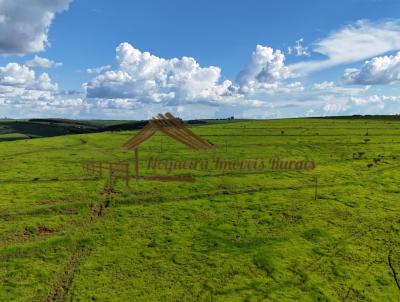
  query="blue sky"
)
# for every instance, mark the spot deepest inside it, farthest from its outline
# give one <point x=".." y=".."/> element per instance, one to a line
<point x="254" y="59"/>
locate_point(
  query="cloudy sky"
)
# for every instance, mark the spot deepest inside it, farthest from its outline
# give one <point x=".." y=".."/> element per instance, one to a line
<point x="126" y="59"/>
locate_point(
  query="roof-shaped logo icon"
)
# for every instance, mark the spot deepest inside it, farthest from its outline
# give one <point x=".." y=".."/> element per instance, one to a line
<point x="172" y="127"/>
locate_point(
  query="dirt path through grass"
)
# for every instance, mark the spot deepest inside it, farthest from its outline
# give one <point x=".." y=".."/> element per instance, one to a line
<point x="61" y="288"/>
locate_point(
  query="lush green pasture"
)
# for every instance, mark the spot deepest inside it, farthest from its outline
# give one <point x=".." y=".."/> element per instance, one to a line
<point x="230" y="236"/>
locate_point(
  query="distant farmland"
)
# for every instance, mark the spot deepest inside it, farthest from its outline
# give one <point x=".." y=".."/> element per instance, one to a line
<point x="37" y="128"/>
<point x="329" y="234"/>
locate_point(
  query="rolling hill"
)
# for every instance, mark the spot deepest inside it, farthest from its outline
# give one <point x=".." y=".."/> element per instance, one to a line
<point x="328" y="234"/>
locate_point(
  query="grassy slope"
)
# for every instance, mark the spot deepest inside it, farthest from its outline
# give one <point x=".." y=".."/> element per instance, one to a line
<point x="11" y="130"/>
<point x="228" y="237"/>
<point x="37" y="128"/>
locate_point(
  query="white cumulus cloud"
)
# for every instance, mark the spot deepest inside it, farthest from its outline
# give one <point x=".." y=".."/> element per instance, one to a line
<point x="146" y="78"/>
<point x="14" y="74"/>
<point x="379" y="70"/>
<point x="98" y="70"/>
<point x="265" y="70"/>
<point x="24" y="94"/>
<point x="21" y="76"/>
<point x="24" y="24"/>
<point x="42" y="63"/>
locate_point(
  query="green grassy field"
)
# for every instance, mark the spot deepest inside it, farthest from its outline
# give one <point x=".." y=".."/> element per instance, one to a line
<point x="230" y="236"/>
